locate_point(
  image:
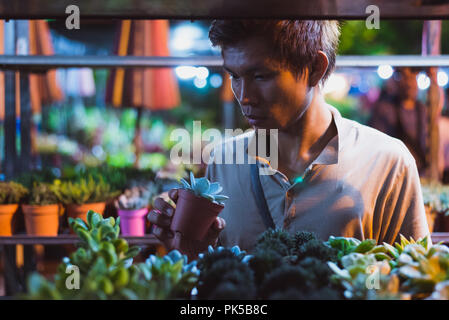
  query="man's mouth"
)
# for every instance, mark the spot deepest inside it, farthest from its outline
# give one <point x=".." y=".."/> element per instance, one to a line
<point x="254" y="117"/>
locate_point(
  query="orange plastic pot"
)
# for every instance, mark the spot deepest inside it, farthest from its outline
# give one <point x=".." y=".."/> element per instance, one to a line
<point x="80" y="210"/>
<point x="194" y="215"/>
<point x="41" y="220"/>
<point x="6" y="213"/>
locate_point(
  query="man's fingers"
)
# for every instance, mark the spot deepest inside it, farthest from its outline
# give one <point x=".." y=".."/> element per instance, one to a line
<point x="162" y="234"/>
<point x="159" y="219"/>
<point x="173" y="194"/>
<point x="164" y="207"/>
<point x="214" y="231"/>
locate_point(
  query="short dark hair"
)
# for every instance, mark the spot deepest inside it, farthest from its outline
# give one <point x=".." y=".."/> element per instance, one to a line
<point x="295" y="42"/>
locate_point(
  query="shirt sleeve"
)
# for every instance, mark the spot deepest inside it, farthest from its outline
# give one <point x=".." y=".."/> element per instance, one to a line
<point x="404" y="211"/>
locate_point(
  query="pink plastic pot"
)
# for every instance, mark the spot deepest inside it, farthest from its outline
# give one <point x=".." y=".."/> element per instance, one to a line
<point x="132" y="222"/>
<point x="194" y="215"/>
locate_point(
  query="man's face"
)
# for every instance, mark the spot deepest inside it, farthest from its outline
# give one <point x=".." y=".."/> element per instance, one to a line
<point x="269" y="95"/>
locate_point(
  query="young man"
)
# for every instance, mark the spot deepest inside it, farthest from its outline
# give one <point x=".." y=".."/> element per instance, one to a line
<point x="334" y="176"/>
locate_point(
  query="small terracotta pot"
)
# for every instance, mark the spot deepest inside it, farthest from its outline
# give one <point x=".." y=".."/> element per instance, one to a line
<point x="41" y="220"/>
<point x="194" y="215"/>
<point x="6" y="213"/>
<point x="80" y="210"/>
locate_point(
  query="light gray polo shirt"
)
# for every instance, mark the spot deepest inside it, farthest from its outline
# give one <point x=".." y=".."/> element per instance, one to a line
<point x="364" y="184"/>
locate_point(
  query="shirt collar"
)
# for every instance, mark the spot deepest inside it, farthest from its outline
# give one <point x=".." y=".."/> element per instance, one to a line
<point x="329" y="155"/>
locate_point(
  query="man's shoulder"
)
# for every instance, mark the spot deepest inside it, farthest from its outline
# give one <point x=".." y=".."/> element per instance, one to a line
<point x="374" y="143"/>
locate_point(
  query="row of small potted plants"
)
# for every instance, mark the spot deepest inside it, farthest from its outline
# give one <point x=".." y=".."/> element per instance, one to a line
<point x="43" y="204"/>
<point x="198" y="205"/>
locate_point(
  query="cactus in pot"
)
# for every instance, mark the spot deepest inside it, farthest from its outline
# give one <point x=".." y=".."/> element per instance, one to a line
<point x="132" y="208"/>
<point x="84" y="194"/>
<point x="41" y="210"/>
<point x="197" y="207"/>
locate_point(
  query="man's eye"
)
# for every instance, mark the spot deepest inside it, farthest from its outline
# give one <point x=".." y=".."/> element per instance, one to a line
<point x="261" y="76"/>
<point x="233" y="77"/>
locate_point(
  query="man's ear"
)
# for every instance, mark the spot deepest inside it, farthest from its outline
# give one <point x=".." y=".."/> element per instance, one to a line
<point x="318" y="69"/>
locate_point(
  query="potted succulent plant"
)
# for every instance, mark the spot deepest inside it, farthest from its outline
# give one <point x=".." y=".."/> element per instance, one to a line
<point x="41" y="210"/>
<point x="10" y="195"/>
<point x="199" y="203"/>
<point x="83" y="195"/>
<point x="132" y="208"/>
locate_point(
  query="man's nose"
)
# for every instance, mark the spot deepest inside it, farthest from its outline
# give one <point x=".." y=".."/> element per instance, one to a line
<point x="243" y="94"/>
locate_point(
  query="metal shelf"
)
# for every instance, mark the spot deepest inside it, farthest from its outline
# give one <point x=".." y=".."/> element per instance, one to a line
<point x="209" y="9"/>
<point x="49" y="62"/>
<point x="145" y="240"/>
<point x="70" y="239"/>
<point x="46" y="62"/>
<point x="440" y="237"/>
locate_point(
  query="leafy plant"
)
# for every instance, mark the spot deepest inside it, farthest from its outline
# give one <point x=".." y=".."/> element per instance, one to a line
<point x="45" y="175"/>
<point x="348" y="245"/>
<point x="135" y="198"/>
<point x="225" y="274"/>
<point x="106" y="269"/>
<point x="104" y="262"/>
<point x="168" y="277"/>
<point x="202" y="187"/>
<point x="118" y="178"/>
<point x="11" y="192"/>
<point x="409" y="269"/>
<point x="85" y="190"/>
<point x="303" y="281"/>
<point x="42" y="194"/>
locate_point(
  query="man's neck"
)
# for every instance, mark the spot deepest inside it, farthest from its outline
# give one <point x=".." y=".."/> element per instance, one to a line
<point x="304" y="141"/>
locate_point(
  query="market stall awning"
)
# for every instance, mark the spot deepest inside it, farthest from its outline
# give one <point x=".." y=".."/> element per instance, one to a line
<point x="206" y="9"/>
<point x="149" y="88"/>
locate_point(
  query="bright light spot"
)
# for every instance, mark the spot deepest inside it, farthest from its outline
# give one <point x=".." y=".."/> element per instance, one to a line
<point x="443" y="79"/>
<point x="337" y="86"/>
<point x="423" y="81"/>
<point x="385" y="71"/>
<point x="202" y="72"/>
<point x="186" y="72"/>
<point x="216" y="80"/>
<point x="184" y="37"/>
<point x="199" y="83"/>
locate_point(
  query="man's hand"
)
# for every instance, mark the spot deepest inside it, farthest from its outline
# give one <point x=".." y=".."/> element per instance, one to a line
<point x="161" y="217"/>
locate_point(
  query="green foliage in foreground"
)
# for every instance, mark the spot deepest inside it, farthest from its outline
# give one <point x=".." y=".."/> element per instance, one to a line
<point x="281" y="266"/>
<point x="106" y="270"/>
